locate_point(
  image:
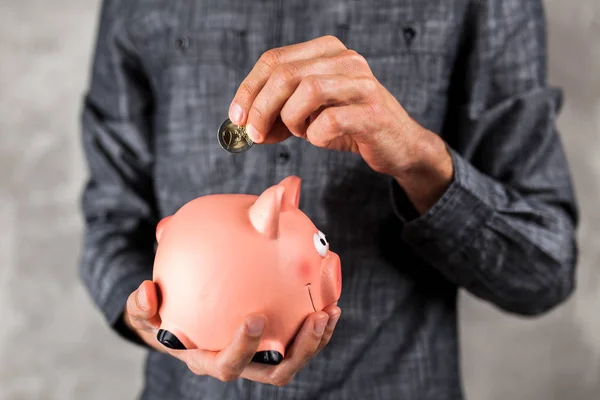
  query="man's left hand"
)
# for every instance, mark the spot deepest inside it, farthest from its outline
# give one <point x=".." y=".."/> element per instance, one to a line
<point x="323" y="92"/>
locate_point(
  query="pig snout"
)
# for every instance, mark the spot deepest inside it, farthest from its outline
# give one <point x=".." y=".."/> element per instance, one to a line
<point x="331" y="275"/>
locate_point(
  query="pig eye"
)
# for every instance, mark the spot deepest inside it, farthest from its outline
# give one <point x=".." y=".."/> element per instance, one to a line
<point x="321" y="243"/>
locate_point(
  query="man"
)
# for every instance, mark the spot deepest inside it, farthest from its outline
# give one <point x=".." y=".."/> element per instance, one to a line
<point x="424" y="132"/>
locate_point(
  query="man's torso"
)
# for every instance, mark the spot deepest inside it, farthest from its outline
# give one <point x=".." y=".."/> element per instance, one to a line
<point x="397" y="334"/>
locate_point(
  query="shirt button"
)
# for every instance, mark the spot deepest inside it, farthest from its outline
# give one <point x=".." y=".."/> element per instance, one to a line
<point x="284" y="156"/>
<point x="183" y="43"/>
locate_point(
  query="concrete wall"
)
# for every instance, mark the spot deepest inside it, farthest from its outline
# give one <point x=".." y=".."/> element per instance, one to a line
<point x="53" y="344"/>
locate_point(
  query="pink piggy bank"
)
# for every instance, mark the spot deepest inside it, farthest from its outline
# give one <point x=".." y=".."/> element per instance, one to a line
<point x="221" y="257"/>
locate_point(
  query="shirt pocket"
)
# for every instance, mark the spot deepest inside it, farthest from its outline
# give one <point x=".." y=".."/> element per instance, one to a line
<point x="413" y="59"/>
<point x="210" y="60"/>
<point x="195" y="73"/>
<point x="197" y="81"/>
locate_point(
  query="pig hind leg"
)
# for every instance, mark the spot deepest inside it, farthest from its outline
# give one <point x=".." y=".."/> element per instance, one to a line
<point x="270" y="352"/>
<point x="270" y="357"/>
<point x="169" y="340"/>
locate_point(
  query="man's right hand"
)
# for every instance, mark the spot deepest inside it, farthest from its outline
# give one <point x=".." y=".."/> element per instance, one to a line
<point x="233" y="362"/>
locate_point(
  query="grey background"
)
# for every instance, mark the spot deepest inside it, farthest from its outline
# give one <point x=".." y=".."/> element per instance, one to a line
<point x="53" y="343"/>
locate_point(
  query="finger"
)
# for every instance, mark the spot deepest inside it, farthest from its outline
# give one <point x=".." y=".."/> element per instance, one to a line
<point x="258" y="76"/>
<point x="225" y="365"/>
<point x="230" y="362"/>
<point x="142" y="306"/>
<point x="278" y="133"/>
<point x="317" y="91"/>
<point x="336" y="122"/>
<point x="334" y="316"/>
<point x="199" y="361"/>
<point x="303" y="348"/>
<point x="284" y="81"/>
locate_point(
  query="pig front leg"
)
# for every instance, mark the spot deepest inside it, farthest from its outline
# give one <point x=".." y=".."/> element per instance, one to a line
<point x="169" y="335"/>
<point x="270" y="357"/>
<point x="270" y="352"/>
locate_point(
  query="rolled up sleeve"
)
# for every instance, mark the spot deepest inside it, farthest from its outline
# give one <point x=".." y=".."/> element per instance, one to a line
<point x="505" y="229"/>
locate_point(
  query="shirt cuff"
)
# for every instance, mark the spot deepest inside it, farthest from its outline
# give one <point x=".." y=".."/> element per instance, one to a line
<point x="443" y="230"/>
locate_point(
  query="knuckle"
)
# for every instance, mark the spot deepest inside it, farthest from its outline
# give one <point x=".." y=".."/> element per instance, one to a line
<point x="355" y="57"/>
<point x="226" y="373"/>
<point x="330" y="121"/>
<point x="369" y="86"/>
<point x="333" y="41"/>
<point x="246" y="90"/>
<point x="284" y="74"/>
<point x="226" y="376"/>
<point x="257" y="111"/>
<point x="374" y="108"/>
<point x="132" y="306"/>
<point x="271" y="58"/>
<point x="288" y="118"/>
<point x="312" y="86"/>
<point x="196" y="370"/>
<point x="315" y="139"/>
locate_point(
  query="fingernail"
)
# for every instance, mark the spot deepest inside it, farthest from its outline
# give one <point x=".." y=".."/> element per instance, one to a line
<point x="320" y="326"/>
<point x="255" y="326"/>
<point x="141" y="298"/>
<point x="236" y="113"/>
<point x="253" y="133"/>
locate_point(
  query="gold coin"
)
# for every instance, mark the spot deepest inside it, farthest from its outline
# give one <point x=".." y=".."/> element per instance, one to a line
<point x="233" y="138"/>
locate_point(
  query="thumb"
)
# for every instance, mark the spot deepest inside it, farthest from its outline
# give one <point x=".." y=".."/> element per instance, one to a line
<point x="142" y="304"/>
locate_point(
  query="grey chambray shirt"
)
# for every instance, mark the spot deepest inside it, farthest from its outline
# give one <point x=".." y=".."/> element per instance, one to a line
<point x="474" y="72"/>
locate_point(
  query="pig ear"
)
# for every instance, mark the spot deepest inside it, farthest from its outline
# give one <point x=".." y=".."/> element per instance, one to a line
<point x="161" y="226"/>
<point x="291" y="196"/>
<point x="264" y="213"/>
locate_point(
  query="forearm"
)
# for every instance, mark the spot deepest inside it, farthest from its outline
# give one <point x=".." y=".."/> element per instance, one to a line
<point x="427" y="176"/>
